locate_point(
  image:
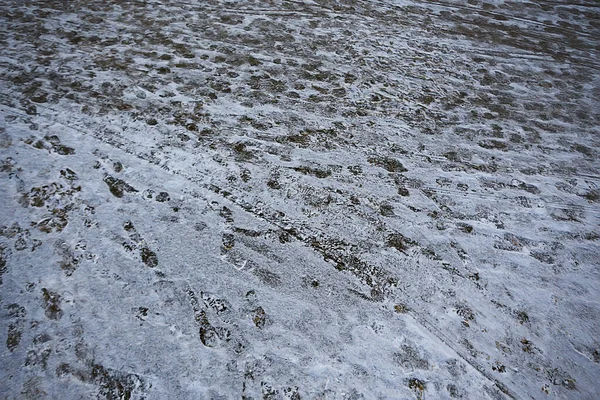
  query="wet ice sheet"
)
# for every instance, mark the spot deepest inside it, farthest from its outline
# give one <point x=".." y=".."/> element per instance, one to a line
<point x="376" y="199"/>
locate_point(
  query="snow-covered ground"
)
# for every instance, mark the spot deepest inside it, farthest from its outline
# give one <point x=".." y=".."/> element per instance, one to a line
<point x="299" y="199"/>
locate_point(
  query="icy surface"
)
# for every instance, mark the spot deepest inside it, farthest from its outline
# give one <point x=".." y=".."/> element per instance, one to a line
<point x="299" y="199"/>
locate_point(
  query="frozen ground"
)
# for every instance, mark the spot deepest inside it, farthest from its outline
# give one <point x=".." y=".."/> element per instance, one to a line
<point x="299" y="199"/>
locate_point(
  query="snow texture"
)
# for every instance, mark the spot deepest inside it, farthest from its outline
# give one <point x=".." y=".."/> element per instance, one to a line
<point x="299" y="199"/>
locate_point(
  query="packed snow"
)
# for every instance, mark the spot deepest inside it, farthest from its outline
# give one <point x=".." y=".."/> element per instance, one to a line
<point x="313" y="199"/>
